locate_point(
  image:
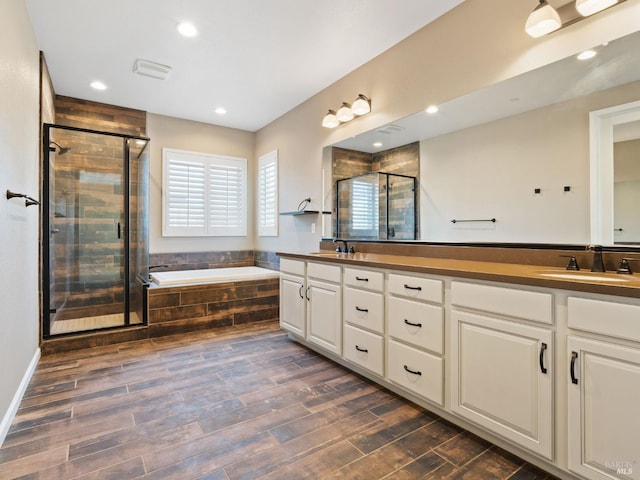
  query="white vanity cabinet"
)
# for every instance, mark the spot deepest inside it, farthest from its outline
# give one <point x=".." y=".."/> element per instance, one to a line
<point x="311" y="302"/>
<point x="293" y="313"/>
<point x="415" y="341"/>
<point x="324" y="306"/>
<point x="502" y="362"/>
<point x="364" y="320"/>
<point x="603" y="378"/>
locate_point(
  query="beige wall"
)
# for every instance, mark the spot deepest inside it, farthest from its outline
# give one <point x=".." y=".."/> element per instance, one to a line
<point x="19" y="134"/>
<point x="478" y="43"/>
<point x="169" y="132"/>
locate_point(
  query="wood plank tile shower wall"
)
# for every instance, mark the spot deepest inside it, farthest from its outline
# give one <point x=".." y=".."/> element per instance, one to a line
<point x="404" y="160"/>
<point x="89" y="181"/>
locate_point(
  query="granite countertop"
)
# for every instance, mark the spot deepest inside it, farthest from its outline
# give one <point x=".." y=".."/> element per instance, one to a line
<point x="608" y="283"/>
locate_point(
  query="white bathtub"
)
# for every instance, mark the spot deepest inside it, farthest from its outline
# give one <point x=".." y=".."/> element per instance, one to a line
<point x="212" y="275"/>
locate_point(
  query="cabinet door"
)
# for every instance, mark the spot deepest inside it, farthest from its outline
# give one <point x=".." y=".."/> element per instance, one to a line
<point x="603" y="419"/>
<point x="292" y="304"/>
<point x="324" y="313"/>
<point x="502" y="378"/>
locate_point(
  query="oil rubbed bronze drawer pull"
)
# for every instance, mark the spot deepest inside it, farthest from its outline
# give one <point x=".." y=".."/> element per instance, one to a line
<point x="407" y="369"/>
<point x="543" y="347"/>
<point x="363" y="350"/>
<point x="419" y="325"/>
<point x="409" y="287"/>
<point x="362" y="279"/>
<point x="572" y="369"/>
<point x="366" y="310"/>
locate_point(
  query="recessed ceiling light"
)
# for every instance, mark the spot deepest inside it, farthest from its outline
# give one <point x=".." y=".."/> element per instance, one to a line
<point x="377" y="144"/>
<point x="586" y="55"/>
<point x="98" y="85"/>
<point x="432" y="109"/>
<point x="220" y="110"/>
<point x="187" y="29"/>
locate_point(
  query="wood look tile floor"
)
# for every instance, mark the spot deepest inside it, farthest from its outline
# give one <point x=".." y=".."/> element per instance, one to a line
<point x="236" y="403"/>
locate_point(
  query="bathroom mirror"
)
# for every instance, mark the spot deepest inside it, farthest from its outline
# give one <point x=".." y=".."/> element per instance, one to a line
<point x="516" y="153"/>
<point x="615" y="174"/>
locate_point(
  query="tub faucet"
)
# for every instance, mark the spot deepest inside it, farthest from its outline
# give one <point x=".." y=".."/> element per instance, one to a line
<point x="598" y="264"/>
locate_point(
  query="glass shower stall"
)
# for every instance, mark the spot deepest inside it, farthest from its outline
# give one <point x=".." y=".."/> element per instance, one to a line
<point x="95" y="255"/>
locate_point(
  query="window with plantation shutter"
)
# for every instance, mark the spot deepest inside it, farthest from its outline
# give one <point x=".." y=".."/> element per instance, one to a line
<point x="203" y="194"/>
<point x="365" y="207"/>
<point x="268" y="194"/>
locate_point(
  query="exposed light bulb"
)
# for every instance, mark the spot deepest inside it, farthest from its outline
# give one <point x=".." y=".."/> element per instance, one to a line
<point x="543" y="20"/>
<point x="220" y="110"/>
<point x="589" y="7"/>
<point x="432" y="109"/>
<point x="98" y="85"/>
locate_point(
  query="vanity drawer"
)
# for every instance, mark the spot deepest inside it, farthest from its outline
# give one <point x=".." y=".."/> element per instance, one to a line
<point x="528" y="305"/>
<point x="365" y="309"/>
<point x="297" y="267"/>
<point x="418" y="288"/>
<point x="418" y="371"/>
<point x="607" y="318"/>
<point x="419" y="324"/>
<point x="323" y="271"/>
<point x="366" y="279"/>
<point x="364" y="348"/>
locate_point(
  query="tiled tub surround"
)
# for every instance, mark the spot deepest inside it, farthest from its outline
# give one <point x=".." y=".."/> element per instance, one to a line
<point x="205" y="306"/>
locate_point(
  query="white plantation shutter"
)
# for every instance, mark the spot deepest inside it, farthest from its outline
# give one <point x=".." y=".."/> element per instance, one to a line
<point x="268" y="194"/>
<point x="203" y="195"/>
<point x="364" y="206"/>
<point x="227" y="197"/>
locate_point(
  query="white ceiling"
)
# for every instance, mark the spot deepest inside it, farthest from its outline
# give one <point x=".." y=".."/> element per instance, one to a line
<point x="256" y="58"/>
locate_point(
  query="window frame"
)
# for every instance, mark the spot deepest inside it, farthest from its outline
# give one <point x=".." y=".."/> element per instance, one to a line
<point x="271" y="210"/>
<point x="238" y="229"/>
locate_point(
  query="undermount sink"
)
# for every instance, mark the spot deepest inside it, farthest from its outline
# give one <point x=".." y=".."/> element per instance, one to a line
<point x="587" y="276"/>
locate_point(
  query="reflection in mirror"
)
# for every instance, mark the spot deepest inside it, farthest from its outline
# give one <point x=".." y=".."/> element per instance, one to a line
<point x="626" y="177"/>
<point x="615" y="174"/>
<point x="486" y="154"/>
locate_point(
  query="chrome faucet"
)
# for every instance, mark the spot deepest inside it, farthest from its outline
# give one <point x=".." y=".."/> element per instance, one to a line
<point x="598" y="263"/>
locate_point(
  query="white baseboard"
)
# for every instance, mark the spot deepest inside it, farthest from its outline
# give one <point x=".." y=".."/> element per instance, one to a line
<point x="17" y="398"/>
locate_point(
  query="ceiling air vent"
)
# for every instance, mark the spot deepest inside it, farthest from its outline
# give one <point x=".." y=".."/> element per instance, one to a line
<point x="390" y="129"/>
<point x="151" y="69"/>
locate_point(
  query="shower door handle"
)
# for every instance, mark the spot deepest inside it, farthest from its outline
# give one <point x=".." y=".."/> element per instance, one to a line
<point x="119" y="231"/>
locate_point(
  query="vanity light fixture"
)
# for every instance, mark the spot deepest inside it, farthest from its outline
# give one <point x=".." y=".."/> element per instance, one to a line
<point x="361" y="105"/>
<point x="330" y="120"/>
<point x="347" y="112"/>
<point x="545" y="19"/>
<point x="344" y="113"/>
<point x="589" y="7"/>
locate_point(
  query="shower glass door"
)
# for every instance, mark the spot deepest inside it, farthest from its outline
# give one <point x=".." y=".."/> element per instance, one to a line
<point x="87" y="215"/>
